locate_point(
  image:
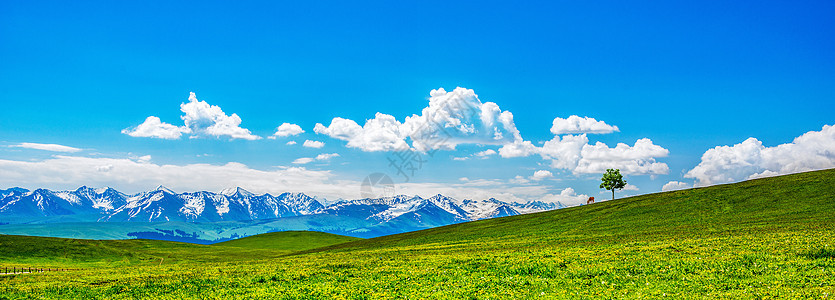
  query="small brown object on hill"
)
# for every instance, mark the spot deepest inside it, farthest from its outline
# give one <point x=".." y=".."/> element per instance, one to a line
<point x="591" y="200"/>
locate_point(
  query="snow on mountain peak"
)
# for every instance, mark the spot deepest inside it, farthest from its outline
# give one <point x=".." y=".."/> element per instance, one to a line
<point x="236" y="190"/>
<point x="164" y="190"/>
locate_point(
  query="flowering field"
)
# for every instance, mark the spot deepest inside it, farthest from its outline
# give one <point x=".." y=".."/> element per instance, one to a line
<point x="766" y="238"/>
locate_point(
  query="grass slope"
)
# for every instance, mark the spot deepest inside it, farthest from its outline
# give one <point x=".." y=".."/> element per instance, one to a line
<point x="765" y="238"/>
<point x="28" y="251"/>
<point x="289" y="240"/>
<point x="793" y="202"/>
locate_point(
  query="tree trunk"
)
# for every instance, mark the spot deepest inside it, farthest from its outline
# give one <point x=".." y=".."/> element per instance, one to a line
<point x="613" y="194"/>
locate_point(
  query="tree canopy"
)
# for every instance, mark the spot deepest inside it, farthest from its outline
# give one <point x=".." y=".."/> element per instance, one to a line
<point x="612" y="180"/>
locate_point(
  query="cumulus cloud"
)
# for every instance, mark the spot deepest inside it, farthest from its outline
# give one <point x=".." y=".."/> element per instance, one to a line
<point x="382" y="133"/>
<point x="573" y="152"/>
<point x="287" y="129"/>
<point x="564" y="152"/>
<point x="674" y="185"/>
<point x="814" y="150"/>
<point x="154" y="128"/>
<point x="290" y="143"/>
<point x="46" y="147"/>
<point x="541" y="174"/>
<point x="452" y="118"/>
<point x="200" y="119"/>
<point x="313" y="144"/>
<point x="636" y="159"/>
<point x="576" y="125"/>
<point x="569" y="149"/>
<point x="460" y="117"/>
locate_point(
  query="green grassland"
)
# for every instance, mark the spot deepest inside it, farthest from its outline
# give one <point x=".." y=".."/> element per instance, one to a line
<point x="291" y="241"/>
<point x="764" y="238"/>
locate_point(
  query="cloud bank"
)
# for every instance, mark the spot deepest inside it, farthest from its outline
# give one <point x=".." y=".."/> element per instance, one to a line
<point x="814" y="150"/>
<point x="136" y="174"/>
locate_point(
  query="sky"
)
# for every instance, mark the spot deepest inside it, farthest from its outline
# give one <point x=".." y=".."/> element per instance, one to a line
<point x="520" y="102"/>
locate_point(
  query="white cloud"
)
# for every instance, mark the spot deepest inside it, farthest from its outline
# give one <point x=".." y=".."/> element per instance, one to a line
<point x="541" y="174"/>
<point x="575" y="125"/>
<point x="200" y="118"/>
<point x="674" y="185"/>
<point x="459" y="117"/>
<point x="46" y="147"/>
<point x="313" y="144"/>
<point x="638" y="159"/>
<point x="452" y="118"/>
<point x="763" y="174"/>
<point x="480" y="155"/>
<point x="303" y="160"/>
<point x="287" y="129"/>
<point x="565" y="152"/>
<point x="518" y="148"/>
<point x="485" y="154"/>
<point x="630" y="187"/>
<point x="154" y="128"/>
<point x="326" y="156"/>
<point x="814" y="150"/>
<point x="572" y="152"/>
<point x="382" y="133"/>
<point x="290" y="143"/>
<point x="320" y="157"/>
<point x="139" y="174"/>
<point x="104" y="168"/>
<point x="519" y="180"/>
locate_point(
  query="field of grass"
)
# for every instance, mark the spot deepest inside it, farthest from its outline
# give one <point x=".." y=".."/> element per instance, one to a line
<point x="45" y="252"/>
<point x="289" y="241"/>
<point x="765" y="238"/>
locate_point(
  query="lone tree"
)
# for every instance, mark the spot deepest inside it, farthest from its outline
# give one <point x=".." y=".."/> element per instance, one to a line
<point x="612" y="180"/>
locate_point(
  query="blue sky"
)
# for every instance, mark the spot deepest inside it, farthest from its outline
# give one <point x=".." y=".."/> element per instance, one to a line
<point x="688" y="76"/>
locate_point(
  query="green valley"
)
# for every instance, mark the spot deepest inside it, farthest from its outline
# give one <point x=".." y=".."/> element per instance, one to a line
<point x="765" y="238"/>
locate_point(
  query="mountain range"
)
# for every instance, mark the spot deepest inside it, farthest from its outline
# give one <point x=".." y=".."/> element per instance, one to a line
<point x="241" y="208"/>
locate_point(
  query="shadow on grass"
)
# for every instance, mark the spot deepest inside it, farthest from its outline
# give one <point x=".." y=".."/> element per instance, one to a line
<point x="823" y="252"/>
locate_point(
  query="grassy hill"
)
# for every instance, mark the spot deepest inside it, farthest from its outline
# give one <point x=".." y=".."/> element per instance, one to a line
<point x="792" y="202"/>
<point x="289" y="240"/>
<point x="765" y="238"/>
<point x="28" y="251"/>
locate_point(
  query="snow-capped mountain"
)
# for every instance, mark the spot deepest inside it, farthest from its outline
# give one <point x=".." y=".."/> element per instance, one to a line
<point x="18" y="202"/>
<point x="490" y="208"/>
<point x="237" y="204"/>
<point x="536" y="206"/>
